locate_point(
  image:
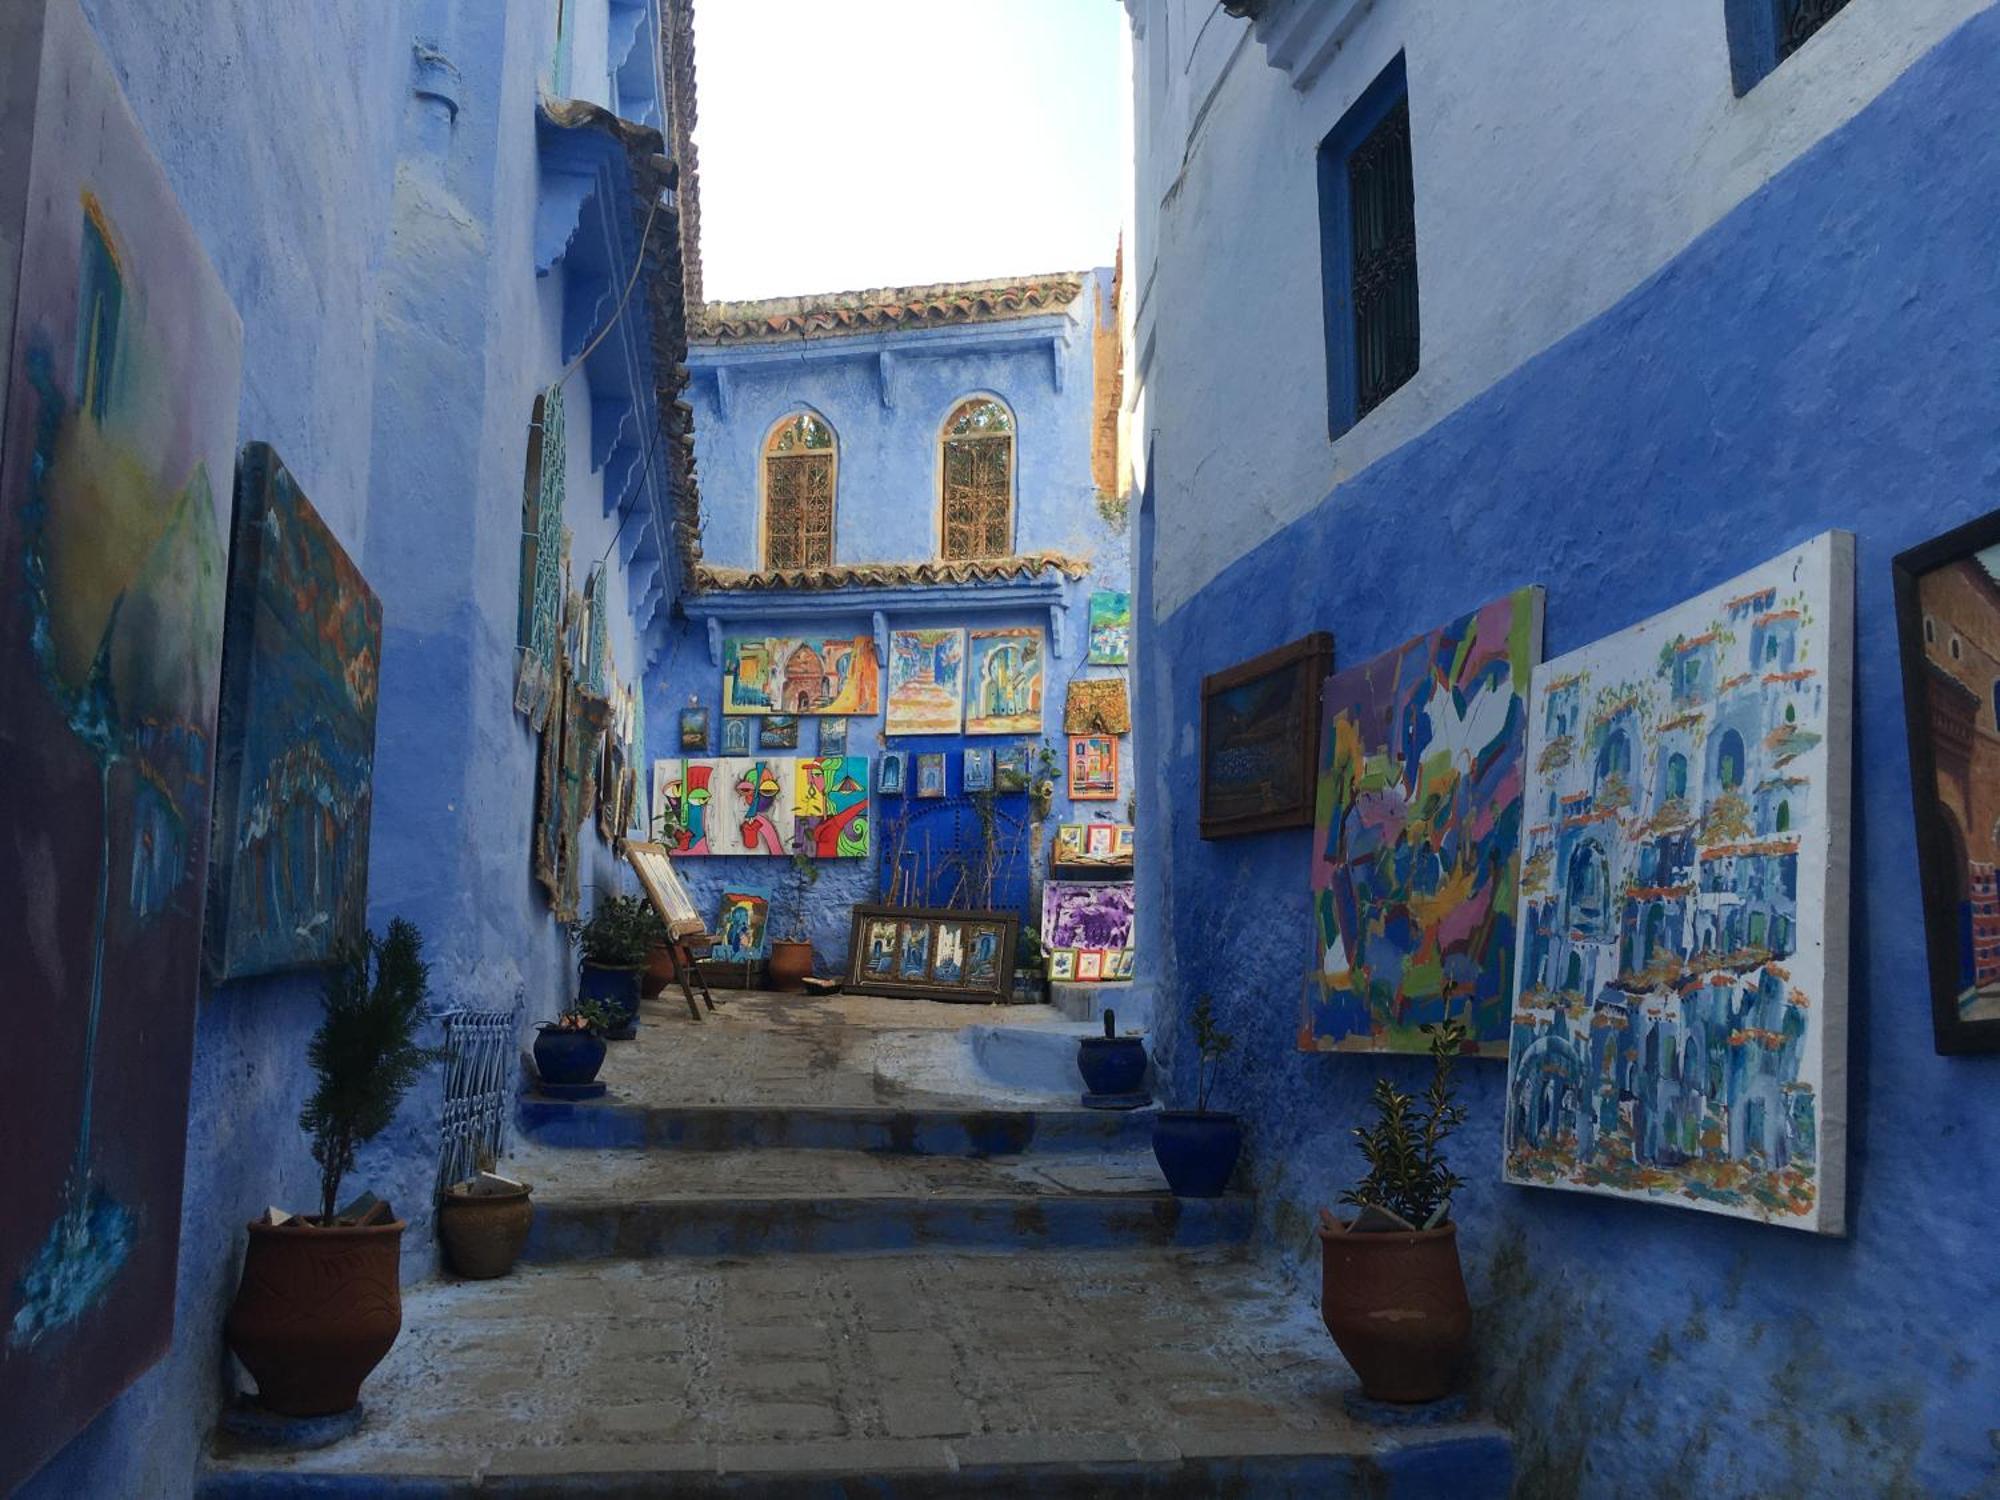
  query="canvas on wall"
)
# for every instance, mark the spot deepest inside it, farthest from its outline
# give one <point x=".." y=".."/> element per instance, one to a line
<point x="734" y="806"/>
<point x="1093" y="768"/>
<point x="1110" y="628"/>
<point x="1260" y="739"/>
<point x="926" y="682"/>
<point x="793" y="675"/>
<point x="1679" y="1031"/>
<point x="1417" y="836"/>
<point x="1097" y="705"/>
<point x="831" y="806"/>
<point x="1092" y="914"/>
<point x="302" y="646"/>
<point x="120" y="406"/>
<point x="1004" y="681"/>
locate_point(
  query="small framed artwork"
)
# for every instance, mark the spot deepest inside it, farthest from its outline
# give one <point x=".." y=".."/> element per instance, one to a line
<point x="978" y="770"/>
<point x="1089" y="965"/>
<point x="694" y="730"/>
<point x="1010" y="768"/>
<point x="889" y="773"/>
<point x="1123" y="844"/>
<point x="1110" y="628"/>
<point x="1100" y="840"/>
<point x="1069" y="843"/>
<point x="1093" y="768"/>
<point x="1097" y="705"/>
<point x="932" y="953"/>
<point x="1127" y="964"/>
<point x="1260" y="726"/>
<point x="833" y="736"/>
<point x="778" y="732"/>
<point x="735" y="736"/>
<point x="930" y="773"/>
<point x="1062" y="964"/>
<point x="1948" y="618"/>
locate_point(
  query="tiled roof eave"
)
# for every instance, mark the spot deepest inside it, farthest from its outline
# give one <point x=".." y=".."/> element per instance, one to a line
<point x="1017" y="568"/>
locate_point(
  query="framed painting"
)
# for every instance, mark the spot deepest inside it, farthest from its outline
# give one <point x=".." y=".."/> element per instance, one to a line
<point x="926" y="682"/>
<point x="830" y="806"/>
<point x="1260" y="723"/>
<point x="1093" y="768"/>
<point x="1110" y="629"/>
<point x="1679" y="1028"/>
<point x="932" y="953"/>
<point x="120" y="397"/>
<point x="977" y="770"/>
<point x="694" y="731"/>
<point x="1948" y="618"/>
<point x="301" y="646"/>
<point x="735" y="736"/>
<point x="833" y="736"/>
<point x="930" y="774"/>
<point x="1097" y="705"/>
<point x="795" y="675"/>
<point x="1010" y="768"/>
<point x="893" y="764"/>
<point x="742" y="924"/>
<point x="1417" y="837"/>
<point x="1088" y="914"/>
<point x="778" y="732"/>
<point x="1004" y="681"/>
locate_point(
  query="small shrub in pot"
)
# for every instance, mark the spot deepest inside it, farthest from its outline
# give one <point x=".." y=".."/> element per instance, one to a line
<point x="1197" y="1148"/>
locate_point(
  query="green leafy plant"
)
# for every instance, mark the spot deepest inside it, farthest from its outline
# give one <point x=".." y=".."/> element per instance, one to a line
<point x="804" y="875"/>
<point x="620" y="932"/>
<point x="1211" y="1045"/>
<point x="583" y="1015"/>
<point x="365" y="1053"/>
<point x="1407" y="1174"/>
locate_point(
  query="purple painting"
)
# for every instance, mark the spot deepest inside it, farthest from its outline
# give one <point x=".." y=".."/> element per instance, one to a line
<point x="120" y="411"/>
<point x="1087" y="914"/>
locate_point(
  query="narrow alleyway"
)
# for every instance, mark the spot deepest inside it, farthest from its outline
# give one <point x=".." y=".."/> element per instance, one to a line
<point x="767" y="1264"/>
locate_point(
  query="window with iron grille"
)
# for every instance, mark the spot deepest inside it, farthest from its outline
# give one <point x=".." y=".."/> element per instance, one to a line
<point x="978" y="479"/>
<point x="1763" y="33"/>
<point x="1368" y="251"/>
<point x="799" y="462"/>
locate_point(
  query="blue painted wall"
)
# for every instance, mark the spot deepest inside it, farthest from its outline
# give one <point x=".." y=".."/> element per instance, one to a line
<point x="380" y="253"/>
<point x="886" y="511"/>
<point x="1826" y="356"/>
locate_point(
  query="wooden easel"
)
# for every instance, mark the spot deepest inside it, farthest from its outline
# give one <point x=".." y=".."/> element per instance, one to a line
<point x="687" y="937"/>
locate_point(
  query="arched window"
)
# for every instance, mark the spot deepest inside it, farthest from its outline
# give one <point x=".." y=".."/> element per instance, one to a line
<point x="1589" y="890"/>
<point x="800" y="457"/>
<point x="1677" y="776"/>
<point x="977" y="479"/>
<point x="1729" y="759"/>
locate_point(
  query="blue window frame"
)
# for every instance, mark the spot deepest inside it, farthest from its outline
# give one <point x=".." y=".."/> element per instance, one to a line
<point x="1368" y="251"/>
<point x="1763" y="33"/>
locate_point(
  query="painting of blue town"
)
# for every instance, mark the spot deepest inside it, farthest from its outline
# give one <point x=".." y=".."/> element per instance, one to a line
<point x="1679" y="1032"/>
<point x="301" y="654"/>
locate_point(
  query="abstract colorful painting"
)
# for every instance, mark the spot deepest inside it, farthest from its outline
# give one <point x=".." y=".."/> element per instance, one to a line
<point x="1417" y="837"/>
<point x="120" y="400"/>
<point x="926" y="682"/>
<point x="930" y="774"/>
<point x="976" y="768"/>
<point x="833" y="736"/>
<point x="694" y="730"/>
<point x="742" y="921"/>
<point x="1004" y="682"/>
<point x="769" y="675"/>
<point x="831" y="806"/>
<point x="729" y="806"/>
<point x="1093" y="768"/>
<point x="778" y="732"/>
<point x="1948" y="615"/>
<point x="1679" y="1030"/>
<point x="893" y="764"/>
<point x="1260" y="739"/>
<point x="1097" y="705"/>
<point x="736" y="736"/>
<point x="301" y="649"/>
<point x="1087" y="914"/>
<point x="1110" y="629"/>
<point x="1010" y="768"/>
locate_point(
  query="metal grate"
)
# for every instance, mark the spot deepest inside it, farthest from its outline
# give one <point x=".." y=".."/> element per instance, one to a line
<point x="1381" y="199"/>
<point x="1799" y="19"/>
<point x="479" y="1070"/>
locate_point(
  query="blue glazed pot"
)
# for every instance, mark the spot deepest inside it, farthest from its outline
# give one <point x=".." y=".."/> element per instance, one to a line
<point x="1197" y="1151"/>
<point x="615" y="989"/>
<point x="1111" y="1064"/>
<point x="568" y="1057"/>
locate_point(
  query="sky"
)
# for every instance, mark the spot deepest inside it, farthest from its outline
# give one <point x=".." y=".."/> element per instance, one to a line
<point x="862" y="143"/>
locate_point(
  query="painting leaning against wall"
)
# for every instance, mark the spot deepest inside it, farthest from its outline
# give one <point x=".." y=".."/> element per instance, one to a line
<point x="120" y="400"/>
<point x="1680" y="1033"/>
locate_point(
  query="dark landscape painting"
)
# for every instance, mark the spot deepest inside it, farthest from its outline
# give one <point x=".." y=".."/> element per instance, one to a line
<point x="1260" y="739"/>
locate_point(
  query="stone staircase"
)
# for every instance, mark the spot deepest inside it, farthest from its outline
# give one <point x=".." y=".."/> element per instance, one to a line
<point x="812" y="1294"/>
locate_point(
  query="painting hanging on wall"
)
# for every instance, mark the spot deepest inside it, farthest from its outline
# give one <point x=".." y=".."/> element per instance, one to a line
<point x="1417" y="837"/>
<point x="1010" y="768"/>
<point x="926" y="682"/>
<point x="1097" y="705"/>
<point x="1093" y="768"/>
<point x="890" y="783"/>
<point x="833" y="736"/>
<point x="301" y="648"/>
<point x="120" y="399"/>
<point x="725" y="807"/>
<point x="1110" y="629"/>
<point x="830" y="804"/>
<point x="1260" y="724"/>
<point x="1679" y="1032"/>
<point x="736" y="736"/>
<point x="1004" y="682"/>
<point x="932" y="953"/>
<point x="1948" y="616"/>
<point x="694" y="730"/>
<point x="930" y="774"/>
<point x="789" y="675"/>
<point x="742" y="922"/>
<point x="977" y="770"/>
<point x="778" y="732"/>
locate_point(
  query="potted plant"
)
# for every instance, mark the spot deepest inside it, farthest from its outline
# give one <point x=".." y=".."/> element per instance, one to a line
<point x="320" y="1300"/>
<point x="1113" y="1067"/>
<point x="570" y="1049"/>
<point x="1030" y="969"/>
<point x="484" y="1222"/>
<point x="792" y="956"/>
<point x="1197" y="1148"/>
<point x="1392" y="1293"/>
<point x="614" y="943"/>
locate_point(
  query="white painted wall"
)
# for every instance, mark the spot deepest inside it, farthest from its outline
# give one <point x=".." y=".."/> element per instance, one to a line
<point x="1563" y="152"/>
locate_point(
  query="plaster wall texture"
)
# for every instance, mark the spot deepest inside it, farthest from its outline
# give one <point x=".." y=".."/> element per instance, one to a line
<point x="1822" y="357"/>
<point x="379" y="251"/>
<point x="1562" y="154"/>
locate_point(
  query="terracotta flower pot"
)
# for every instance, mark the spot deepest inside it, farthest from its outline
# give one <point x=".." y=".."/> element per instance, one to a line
<point x="483" y="1232"/>
<point x="315" y="1312"/>
<point x="659" y="971"/>
<point x="1395" y="1304"/>
<point x="790" y="962"/>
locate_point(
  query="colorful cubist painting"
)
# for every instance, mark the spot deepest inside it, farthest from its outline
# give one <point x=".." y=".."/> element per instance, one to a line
<point x="301" y="649"/>
<point x="742" y="924"/>
<point x="926" y="682"/>
<point x="831" y="806"/>
<point x="1004" y="682"/>
<point x="120" y="397"/>
<point x="1110" y="628"/>
<point x="1679" y="1030"/>
<point x="770" y="675"/>
<point x="1417" y="836"/>
<point x="728" y="806"/>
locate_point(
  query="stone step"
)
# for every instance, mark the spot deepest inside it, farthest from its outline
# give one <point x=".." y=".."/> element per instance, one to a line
<point x="1154" y="1373"/>
<point x="970" y="1131"/>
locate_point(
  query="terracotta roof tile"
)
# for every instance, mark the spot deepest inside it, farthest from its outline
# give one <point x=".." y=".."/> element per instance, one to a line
<point x="889" y="575"/>
<point x="833" y="314"/>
